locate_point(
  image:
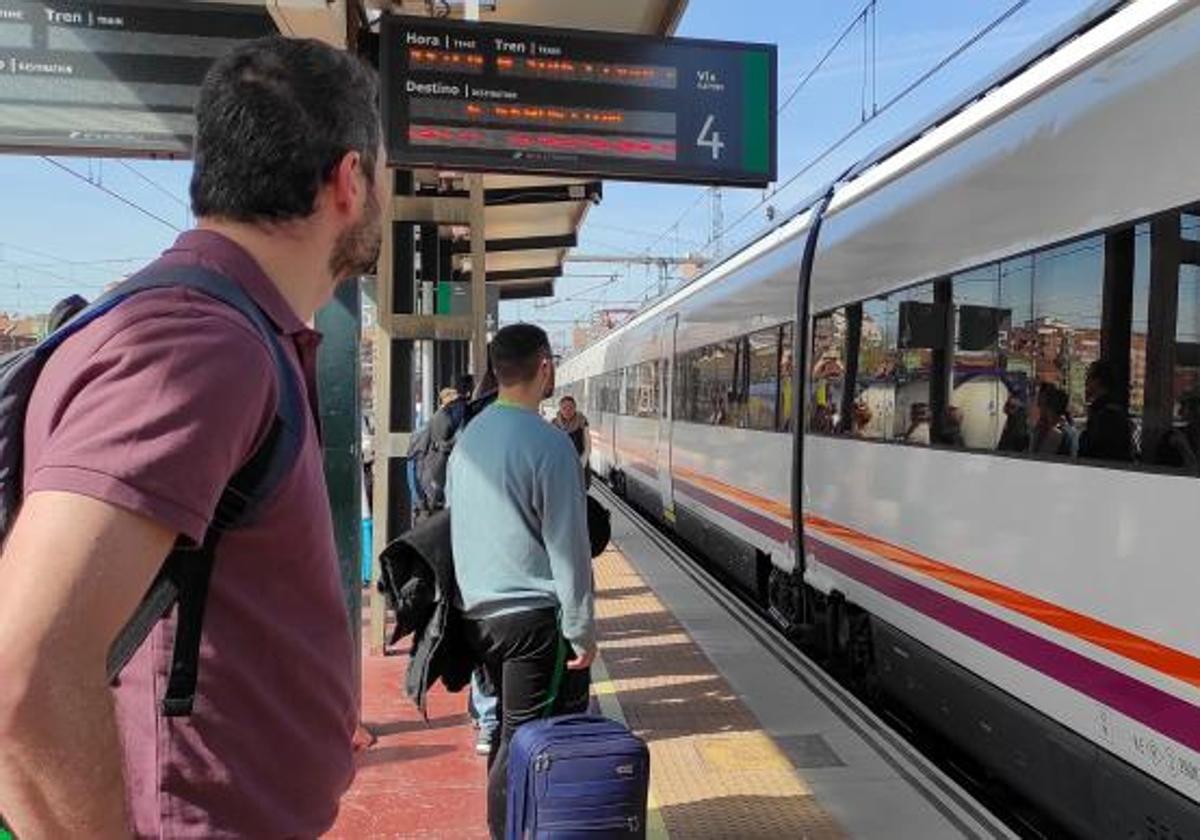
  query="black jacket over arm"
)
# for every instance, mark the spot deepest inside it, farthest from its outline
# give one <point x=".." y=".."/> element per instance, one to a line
<point x="418" y="574"/>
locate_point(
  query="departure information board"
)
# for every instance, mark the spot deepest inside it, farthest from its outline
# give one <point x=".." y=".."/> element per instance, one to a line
<point x="525" y="99"/>
<point x="111" y="77"/>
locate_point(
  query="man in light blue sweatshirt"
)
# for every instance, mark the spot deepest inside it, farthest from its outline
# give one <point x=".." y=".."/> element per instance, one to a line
<point x="521" y="552"/>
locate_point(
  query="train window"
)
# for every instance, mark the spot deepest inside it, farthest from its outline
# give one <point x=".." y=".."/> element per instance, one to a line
<point x="988" y="404"/>
<point x="713" y="370"/>
<point x="1068" y="284"/>
<point x="762" y="387"/>
<point x="828" y="376"/>
<point x="644" y="390"/>
<point x="875" y="389"/>
<point x="1170" y="432"/>
<point x="1140" y="324"/>
<point x="1190" y="225"/>
<point x="785" y="379"/>
<point x="664" y="396"/>
<point x="913" y="365"/>
<point x="892" y="387"/>
<point x="1087" y="349"/>
<point x="681" y="387"/>
<point x="607" y="397"/>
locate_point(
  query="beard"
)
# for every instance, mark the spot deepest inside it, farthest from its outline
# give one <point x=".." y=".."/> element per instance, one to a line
<point x="357" y="248"/>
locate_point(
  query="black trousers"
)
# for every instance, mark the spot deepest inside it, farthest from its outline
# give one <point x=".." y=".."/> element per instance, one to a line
<point x="519" y="652"/>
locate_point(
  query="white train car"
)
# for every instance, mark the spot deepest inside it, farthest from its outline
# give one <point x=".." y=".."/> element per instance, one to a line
<point x="1028" y="589"/>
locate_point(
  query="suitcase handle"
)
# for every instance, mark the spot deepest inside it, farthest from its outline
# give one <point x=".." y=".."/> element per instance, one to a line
<point x="564" y="721"/>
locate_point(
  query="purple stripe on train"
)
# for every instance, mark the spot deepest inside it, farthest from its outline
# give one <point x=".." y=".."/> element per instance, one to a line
<point x="1175" y="718"/>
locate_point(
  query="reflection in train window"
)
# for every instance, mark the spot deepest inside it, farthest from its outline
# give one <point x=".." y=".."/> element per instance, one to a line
<point x="682" y="388"/>
<point x="1170" y="435"/>
<point x="786" y="372"/>
<point x="875" y="388"/>
<point x="1063" y="338"/>
<point x="643" y="390"/>
<point x="916" y="328"/>
<point x="828" y="375"/>
<point x="713" y="369"/>
<point x="989" y="401"/>
<point x="1190" y="225"/>
<point x="895" y="363"/>
<point x="737" y="382"/>
<point x="762" y="391"/>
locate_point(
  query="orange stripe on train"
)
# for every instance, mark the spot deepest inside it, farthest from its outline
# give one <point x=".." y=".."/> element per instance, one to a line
<point x="1167" y="660"/>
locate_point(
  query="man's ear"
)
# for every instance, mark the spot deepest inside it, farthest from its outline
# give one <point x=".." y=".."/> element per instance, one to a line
<point x="347" y="182"/>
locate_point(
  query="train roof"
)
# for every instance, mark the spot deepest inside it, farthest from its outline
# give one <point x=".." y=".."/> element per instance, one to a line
<point x="889" y="161"/>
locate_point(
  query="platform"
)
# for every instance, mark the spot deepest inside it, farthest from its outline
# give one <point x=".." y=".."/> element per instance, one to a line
<point x="743" y="743"/>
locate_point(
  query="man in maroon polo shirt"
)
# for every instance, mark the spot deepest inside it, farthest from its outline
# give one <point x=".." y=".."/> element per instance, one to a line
<point x="136" y="424"/>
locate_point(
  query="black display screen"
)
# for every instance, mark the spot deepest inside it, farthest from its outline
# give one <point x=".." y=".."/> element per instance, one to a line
<point x="111" y="77"/>
<point x="526" y="99"/>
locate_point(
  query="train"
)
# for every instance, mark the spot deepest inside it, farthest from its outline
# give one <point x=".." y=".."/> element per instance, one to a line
<point x="865" y="379"/>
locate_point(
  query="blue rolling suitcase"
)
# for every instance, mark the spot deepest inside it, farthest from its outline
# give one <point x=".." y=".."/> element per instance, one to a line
<point x="577" y="776"/>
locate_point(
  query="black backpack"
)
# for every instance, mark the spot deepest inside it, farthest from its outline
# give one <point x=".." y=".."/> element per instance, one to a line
<point x="429" y="454"/>
<point x="184" y="577"/>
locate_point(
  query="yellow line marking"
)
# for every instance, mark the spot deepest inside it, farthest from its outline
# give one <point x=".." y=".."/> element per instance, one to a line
<point x="606" y="694"/>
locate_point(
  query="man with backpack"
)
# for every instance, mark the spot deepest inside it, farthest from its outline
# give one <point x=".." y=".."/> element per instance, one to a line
<point x="431" y="447"/>
<point x="180" y="423"/>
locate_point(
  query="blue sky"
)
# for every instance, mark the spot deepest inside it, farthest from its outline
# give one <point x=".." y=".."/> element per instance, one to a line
<point x="59" y="235"/>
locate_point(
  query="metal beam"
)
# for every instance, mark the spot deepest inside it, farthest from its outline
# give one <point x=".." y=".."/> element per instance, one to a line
<point x="432" y="327"/>
<point x="479" y="353"/>
<point x="524" y="292"/>
<point x="521" y="243"/>
<point x="592" y="191"/>
<point x="1189" y="252"/>
<point x="432" y="210"/>
<point x="512" y="274"/>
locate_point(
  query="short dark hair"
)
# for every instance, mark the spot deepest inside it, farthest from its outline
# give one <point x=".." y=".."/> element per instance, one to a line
<point x="1104" y="372"/>
<point x="465" y="385"/>
<point x="567" y="399"/>
<point x="516" y="352"/>
<point x="274" y="119"/>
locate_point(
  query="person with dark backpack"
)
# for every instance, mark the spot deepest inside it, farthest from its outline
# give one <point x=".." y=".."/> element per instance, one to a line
<point x="177" y="657"/>
<point x="429" y="452"/>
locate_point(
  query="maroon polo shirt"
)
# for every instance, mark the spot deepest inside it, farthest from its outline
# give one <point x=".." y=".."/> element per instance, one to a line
<point x="152" y="408"/>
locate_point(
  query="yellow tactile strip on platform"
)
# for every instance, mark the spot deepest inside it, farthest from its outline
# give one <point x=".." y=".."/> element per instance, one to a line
<point x="714" y="773"/>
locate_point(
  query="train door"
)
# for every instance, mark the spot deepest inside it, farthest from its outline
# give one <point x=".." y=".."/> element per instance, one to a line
<point x="666" y="413"/>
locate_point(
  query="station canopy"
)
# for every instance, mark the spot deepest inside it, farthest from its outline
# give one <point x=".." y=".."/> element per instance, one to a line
<point x="120" y="78"/>
<point x="532" y="221"/>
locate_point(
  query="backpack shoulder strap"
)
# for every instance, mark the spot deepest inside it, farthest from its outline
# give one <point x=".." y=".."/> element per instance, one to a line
<point x="289" y="414"/>
<point x="185" y="575"/>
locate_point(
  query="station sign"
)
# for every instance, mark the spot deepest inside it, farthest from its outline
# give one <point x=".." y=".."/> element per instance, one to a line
<point x="123" y="77"/>
<point x="506" y="98"/>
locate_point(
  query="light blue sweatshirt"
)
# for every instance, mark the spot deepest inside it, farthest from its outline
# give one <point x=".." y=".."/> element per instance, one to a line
<point x="519" y="521"/>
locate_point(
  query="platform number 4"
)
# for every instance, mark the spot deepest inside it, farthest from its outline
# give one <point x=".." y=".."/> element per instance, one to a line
<point x="710" y="139"/>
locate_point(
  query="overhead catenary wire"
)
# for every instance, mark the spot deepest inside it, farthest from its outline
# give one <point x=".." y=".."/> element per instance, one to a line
<point x="155" y="185"/>
<point x="845" y="138"/>
<point x="816" y="68"/>
<point x="112" y="193"/>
